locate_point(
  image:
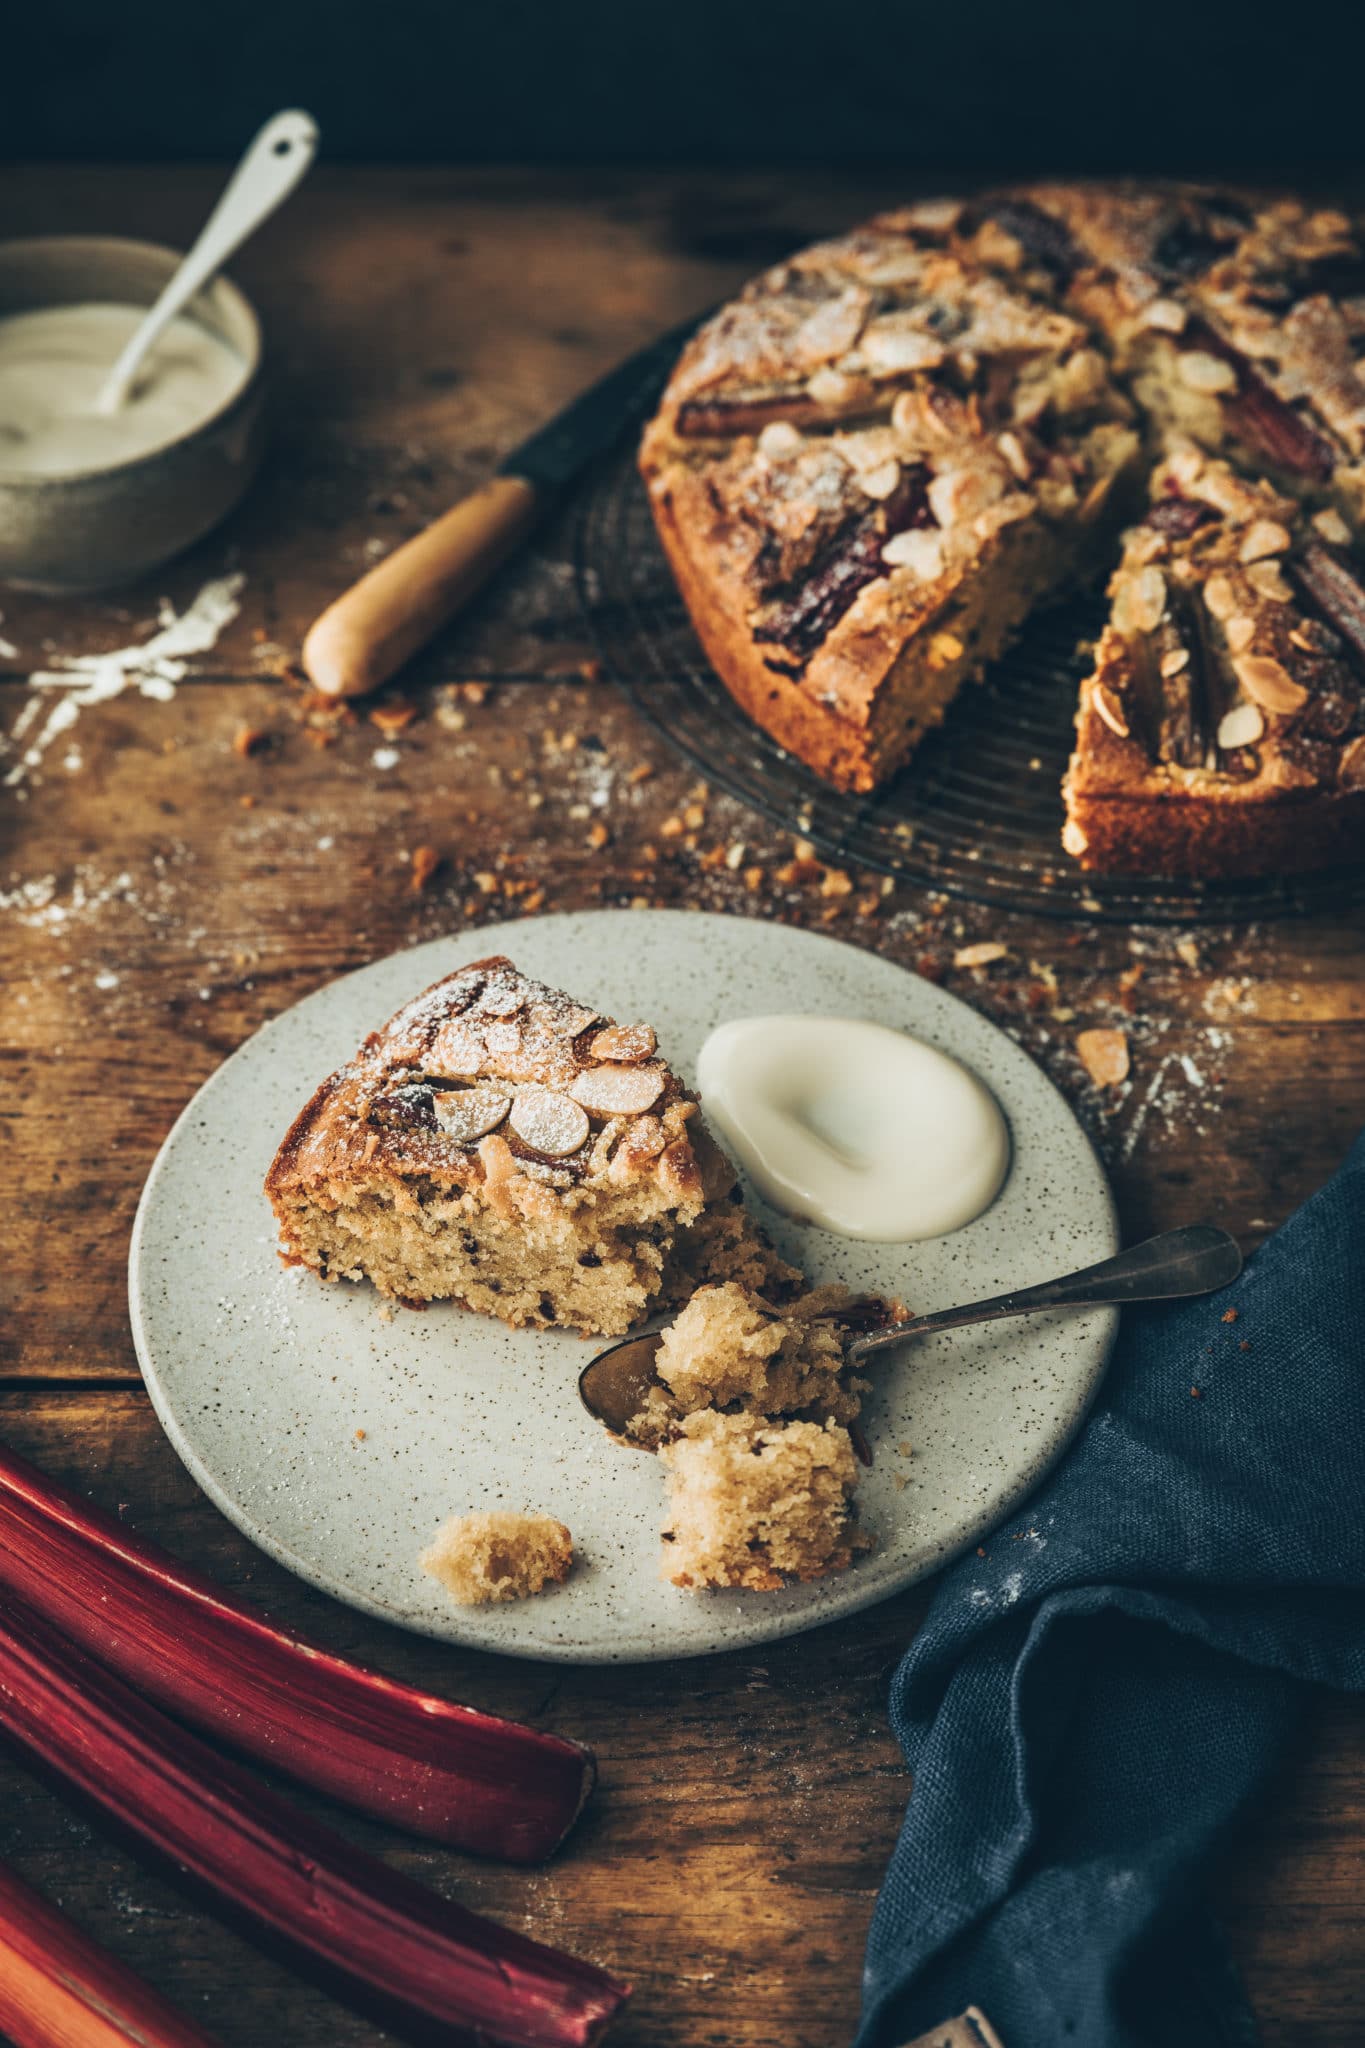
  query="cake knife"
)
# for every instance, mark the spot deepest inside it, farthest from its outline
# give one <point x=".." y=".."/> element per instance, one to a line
<point x="366" y="634"/>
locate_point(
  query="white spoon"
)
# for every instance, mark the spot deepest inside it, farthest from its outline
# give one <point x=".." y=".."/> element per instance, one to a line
<point x="267" y="174"/>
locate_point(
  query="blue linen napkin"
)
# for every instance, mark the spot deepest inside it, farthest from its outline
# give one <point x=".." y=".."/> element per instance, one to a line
<point x="1089" y="1704"/>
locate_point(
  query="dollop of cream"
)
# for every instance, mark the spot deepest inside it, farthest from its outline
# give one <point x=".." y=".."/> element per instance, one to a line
<point x="862" y="1129"/>
<point x="53" y="364"/>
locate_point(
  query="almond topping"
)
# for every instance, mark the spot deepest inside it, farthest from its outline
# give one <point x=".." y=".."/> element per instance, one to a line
<point x="629" y="1042"/>
<point x="1351" y="770"/>
<point x="1172" y="663"/>
<point x="456" y="1051"/>
<point x="1263" y="537"/>
<point x="1202" y="372"/>
<point x="831" y="388"/>
<point x="1012" y="448"/>
<point x="1111" y="710"/>
<point x="1332" y="527"/>
<point x="980" y="955"/>
<point x="779" y="438"/>
<point x="1268" y="684"/>
<point x="1104" y="1055"/>
<point x="1146" y="599"/>
<point x="618" y="1091"/>
<point x="917" y="550"/>
<point x="1240" y="727"/>
<point x="1220" y="597"/>
<point x="1266" y="578"/>
<point x="1240" y="631"/>
<point x="880" y="482"/>
<point x="549" y="1122"/>
<point x="1167" y="315"/>
<point x="467" y="1114"/>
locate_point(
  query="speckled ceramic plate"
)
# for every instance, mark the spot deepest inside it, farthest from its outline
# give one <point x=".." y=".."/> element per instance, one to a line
<point x="339" y="1440"/>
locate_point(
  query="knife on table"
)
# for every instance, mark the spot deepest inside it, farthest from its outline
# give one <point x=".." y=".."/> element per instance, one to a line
<point x="382" y="621"/>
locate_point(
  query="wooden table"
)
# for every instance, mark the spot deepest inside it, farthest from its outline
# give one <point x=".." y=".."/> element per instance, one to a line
<point x="179" y="868"/>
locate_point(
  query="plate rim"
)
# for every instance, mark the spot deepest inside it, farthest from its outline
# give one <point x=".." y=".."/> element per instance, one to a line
<point x="854" y="1592"/>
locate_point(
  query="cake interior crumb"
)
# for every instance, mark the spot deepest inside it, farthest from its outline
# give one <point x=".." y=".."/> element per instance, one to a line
<point x="498" y="1555"/>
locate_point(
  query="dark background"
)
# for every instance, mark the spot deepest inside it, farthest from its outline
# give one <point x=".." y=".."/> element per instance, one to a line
<point x="952" y="87"/>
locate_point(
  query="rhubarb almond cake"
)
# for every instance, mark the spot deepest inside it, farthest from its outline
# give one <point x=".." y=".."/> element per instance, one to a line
<point x="500" y="1144"/>
<point x="875" y="463"/>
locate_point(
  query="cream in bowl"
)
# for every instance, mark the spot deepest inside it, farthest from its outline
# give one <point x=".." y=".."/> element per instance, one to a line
<point x="91" y="499"/>
<point x="867" y="1131"/>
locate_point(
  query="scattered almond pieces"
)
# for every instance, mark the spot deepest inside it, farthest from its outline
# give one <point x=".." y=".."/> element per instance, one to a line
<point x="1104" y="1055"/>
<point x="981" y="954"/>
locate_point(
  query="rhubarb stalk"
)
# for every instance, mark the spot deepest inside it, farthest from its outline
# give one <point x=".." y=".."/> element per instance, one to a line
<point x="423" y="1959"/>
<point x="463" y="1778"/>
<point x="59" y="1989"/>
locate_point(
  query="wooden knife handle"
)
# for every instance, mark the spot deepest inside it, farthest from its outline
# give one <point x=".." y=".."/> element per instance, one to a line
<point x="382" y="621"/>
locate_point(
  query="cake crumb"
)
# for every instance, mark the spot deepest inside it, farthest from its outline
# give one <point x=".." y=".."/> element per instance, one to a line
<point x="752" y="1503"/>
<point x="497" y="1555"/>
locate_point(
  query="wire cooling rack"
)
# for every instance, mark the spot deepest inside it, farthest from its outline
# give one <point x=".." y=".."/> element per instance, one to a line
<point x="977" y="811"/>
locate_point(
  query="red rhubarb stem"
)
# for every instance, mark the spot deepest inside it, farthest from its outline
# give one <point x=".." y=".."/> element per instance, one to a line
<point x="423" y="1959"/>
<point x="58" y="1989"/>
<point x="463" y="1778"/>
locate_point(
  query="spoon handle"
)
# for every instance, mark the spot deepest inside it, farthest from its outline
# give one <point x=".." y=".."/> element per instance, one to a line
<point x="1194" y="1260"/>
<point x="268" y="172"/>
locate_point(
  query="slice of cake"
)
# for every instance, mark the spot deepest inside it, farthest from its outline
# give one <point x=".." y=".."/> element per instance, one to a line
<point x="867" y="470"/>
<point x="1222" y="731"/>
<point x="502" y="1145"/>
<point x="754" y="1503"/>
<point x="497" y="1555"/>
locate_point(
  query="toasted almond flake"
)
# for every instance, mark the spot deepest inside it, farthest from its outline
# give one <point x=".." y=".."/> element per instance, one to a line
<point x="1351" y="767"/>
<point x="1269" y="684"/>
<point x="945" y="648"/>
<point x="918" y="551"/>
<point x="1012" y="448"/>
<point x="1333" y="527"/>
<point x="1146" y="599"/>
<point x="1110" y="710"/>
<point x="1172" y="663"/>
<point x="1240" y="727"/>
<point x="1266" y="578"/>
<point x="1263" y="537"/>
<point x="1199" y="371"/>
<point x="1104" y="1055"/>
<point x="831" y="388"/>
<point x="779" y="438"/>
<point x="456" y="1052"/>
<point x="1220" y="597"/>
<point x="548" y="1121"/>
<point x="881" y="481"/>
<point x="467" y="1114"/>
<point x="618" y="1091"/>
<point x="1188" y="951"/>
<point x="625" y="1042"/>
<point x="1166" y="315"/>
<point x="980" y="955"/>
<point x="1240" y="631"/>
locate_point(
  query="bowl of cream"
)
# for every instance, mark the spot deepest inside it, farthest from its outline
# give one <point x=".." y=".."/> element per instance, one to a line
<point x="89" y="501"/>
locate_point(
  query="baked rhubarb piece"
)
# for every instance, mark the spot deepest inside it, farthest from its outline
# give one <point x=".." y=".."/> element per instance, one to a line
<point x="1222" y="731"/>
<point x="496" y="1555"/>
<point x="500" y="1144"/>
<point x="755" y="1503"/>
<point x="867" y="470"/>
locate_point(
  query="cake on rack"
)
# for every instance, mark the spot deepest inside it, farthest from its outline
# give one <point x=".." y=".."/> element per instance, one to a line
<point x="500" y="1144"/>
<point x="869" y="468"/>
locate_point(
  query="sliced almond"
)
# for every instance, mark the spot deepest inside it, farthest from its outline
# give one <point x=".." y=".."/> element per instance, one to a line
<point x="919" y="550"/>
<point x="1172" y="663"/>
<point x="548" y="1121"/>
<point x="831" y="388"/>
<point x="455" y="1052"/>
<point x="1265" y="577"/>
<point x="467" y="1114"/>
<point x="1269" y="684"/>
<point x="779" y="438"/>
<point x="1199" y="371"/>
<point x="618" y="1091"/>
<point x="980" y="955"/>
<point x="1240" y="727"/>
<point x="1168" y="316"/>
<point x="628" y="1042"/>
<point x="1240" y="631"/>
<point x="1332" y="527"/>
<point x="1104" y="1055"/>
<point x="1146" y="599"/>
<point x="880" y="482"/>
<point x="1351" y="768"/>
<point x="1014" y="452"/>
<point x="1110" y="709"/>
<point x="1263" y="537"/>
<point x="1220" y="597"/>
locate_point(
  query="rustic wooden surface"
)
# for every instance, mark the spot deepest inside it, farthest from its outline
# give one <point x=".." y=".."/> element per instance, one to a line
<point x="162" y="893"/>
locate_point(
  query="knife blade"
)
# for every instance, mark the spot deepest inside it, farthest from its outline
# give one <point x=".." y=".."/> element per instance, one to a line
<point x="368" y="633"/>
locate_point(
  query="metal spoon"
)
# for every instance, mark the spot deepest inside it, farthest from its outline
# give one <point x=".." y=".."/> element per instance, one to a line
<point x="1194" y="1260"/>
<point x="274" y="162"/>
